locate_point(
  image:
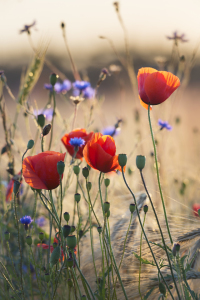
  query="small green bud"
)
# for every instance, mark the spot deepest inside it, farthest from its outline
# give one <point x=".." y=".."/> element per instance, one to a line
<point x="89" y="185"/>
<point x="62" y="25"/>
<point x="29" y="240"/>
<point x="36" y="241"/>
<point x="108" y="214"/>
<point x="107" y="182"/>
<point x="60" y="167"/>
<point x="85" y="172"/>
<point x="55" y="255"/>
<point x="145" y="208"/>
<point x="99" y="229"/>
<point x="140" y="162"/>
<point x="177" y="247"/>
<point x="106" y="206"/>
<point x="7" y="235"/>
<point x="41" y="236"/>
<point x="66" y="230"/>
<point x="80" y="233"/>
<point x="30" y="144"/>
<point x="47" y="277"/>
<point x="71" y="241"/>
<point x="162" y="288"/>
<point x="66" y="216"/>
<point x="170" y="286"/>
<point x="76" y="170"/>
<point x="69" y="262"/>
<point x="55" y="245"/>
<point x="46" y="129"/>
<point x="53" y="79"/>
<point x="132" y="207"/>
<point x="41" y="120"/>
<point x="73" y="228"/>
<point x="70" y="283"/>
<point x="16" y="187"/>
<point x="122" y="159"/>
<point x="77" y="197"/>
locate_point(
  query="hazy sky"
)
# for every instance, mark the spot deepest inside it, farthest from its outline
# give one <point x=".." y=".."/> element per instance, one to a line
<point x="147" y="22"/>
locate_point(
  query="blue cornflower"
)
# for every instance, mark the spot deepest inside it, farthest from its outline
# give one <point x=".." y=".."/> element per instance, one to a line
<point x="48" y="87"/>
<point x="89" y="93"/>
<point x="63" y="87"/>
<point x="40" y="221"/>
<point x="81" y="85"/>
<point x="111" y="130"/>
<point x="27" y="28"/>
<point x="76" y="142"/>
<point x="48" y="113"/>
<point x="164" y="124"/>
<point x="26" y="220"/>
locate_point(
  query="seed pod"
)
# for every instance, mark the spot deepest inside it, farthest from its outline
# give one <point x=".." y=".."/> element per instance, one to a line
<point x="46" y="129"/>
<point x="106" y="182"/>
<point x="122" y="159"/>
<point x="73" y="228"/>
<point x="162" y="288"/>
<point x="145" y="208"/>
<point x="77" y="197"/>
<point x="30" y="144"/>
<point x="85" y="172"/>
<point x="66" y="230"/>
<point x="60" y="167"/>
<point x="71" y="241"/>
<point x="47" y="277"/>
<point x="55" y="255"/>
<point x="41" y="120"/>
<point x="99" y="229"/>
<point x="29" y="240"/>
<point x="76" y="170"/>
<point x="69" y="262"/>
<point x="106" y="206"/>
<point x="66" y="216"/>
<point x="41" y="236"/>
<point x="140" y="162"/>
<point x="132" y="207"/>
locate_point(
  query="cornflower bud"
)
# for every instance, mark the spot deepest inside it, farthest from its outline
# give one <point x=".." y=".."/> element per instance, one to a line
<point x="7" y="235"/>
<point x="70" y="262"/>
<point x="16" y="187"/>
<point x="99" y="229"/>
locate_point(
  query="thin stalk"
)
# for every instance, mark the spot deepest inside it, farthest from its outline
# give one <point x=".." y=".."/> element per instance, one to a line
<point x="36" y="273"/>
<point x="52" y="122"/>
<point x="146" y="235"/>
<point x="103" y="267"/>
<point x="158" y="177"/>
<point x="160" y="229"/>
<point x="61" y="199"/>
<point x="140" y="258"/>
<point x="49" y="210"/>
<point x="75" y="115"/>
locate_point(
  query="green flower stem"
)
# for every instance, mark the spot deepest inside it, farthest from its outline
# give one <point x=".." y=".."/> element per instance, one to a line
<point x="75" y="281"/>
<point x="111" y="258"/>
<point x="31" y="281"/>
<point x="83" y="277"/>
<point x="11" y="258"/>
<point x="158" y="177"/>
<point x="61" y="199"/>
<point x="52" y="122"/>
<point x="42" y="143"/>
<point x="103" y="267"/>
<point x="160" y="229"/>
<point x="36" y="273"/>
<point x="74" y="211"/>
<point x="111" y="252"/>
<point x="140" y="258"/>
<point x="19" y="245"/>
<point x="49" y="210"/>
<point x="145" y="234"/>
<point x="91" y="206"/>
<point x="50" y="232"/>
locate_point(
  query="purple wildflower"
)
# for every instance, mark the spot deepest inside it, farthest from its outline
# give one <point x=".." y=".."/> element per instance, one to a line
<point x="27" y="28"/>
<point x="81" y="85"/>
<point x="26" y="220"/>
<point x="63" y="87"/>
<point x="48" y="87"/>
<point x="164" y="124"/>
<point x="111" y="130"/>
<point x="89" y="92"/>
<point x="177" y="37"/>
<point x="48" y="113"/>
<point x="40" y="221"/>
<point x="76" y="142"/>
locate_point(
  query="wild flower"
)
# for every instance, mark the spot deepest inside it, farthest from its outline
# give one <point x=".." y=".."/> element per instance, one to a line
<point x="89" y="93"/>
<point x="40" y="171"/>
<point x="40" y="221"/>
<point x="195" y="209"/>
<point x="156" y="86"/>
<point x="48" y="113"/>
<point x="81" y="85"/>
<point x="26" y="220"/>
<point x="48" y="87"/>
<point x="177" y="37"/>
<point x="63" y="87"/>
<point x="164" y="124"/>
<point x="27" y="28"/>
<point x="76" y="142"/>
<point x="99" y="153"/>
<point x="76" y="133"/>
<point x="111" y="130"/>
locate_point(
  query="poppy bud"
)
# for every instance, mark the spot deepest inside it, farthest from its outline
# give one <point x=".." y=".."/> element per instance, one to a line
<point x="145" y="209"/>
<point x="7" y="235"/>
<point x="30" y="144"/>
<point x="73" y="228"/>
<point x="46" y="129"/>
<point x="122" y="159"/>
<point x="47" y="277"/>
<point x="76" y="170"/>
<point x="89" y="185"/>
<point x="66" y="230"/>
<point x="80" y="233"/>
<point x="29" y="240"/>
<point x="41" y="120"/>
<point x="55" y="245"/>
<point x="107" y="182"/>
<point x="69" y="262"/>
<point x="99" y="229"/>
<point x="41" y="236"/>
<point x="55" y="255"/>
<point x="77" y="197"/>
<point x="108" y="214"/>
<point x="66" y="216"/>
<point x="106" y="206"/>
<point x="71" y="241"/>
<point x="53" y="79"/>
<point x="60" y="167"/>
<point x="140" y="162"/>
<point x="85" y="172"/>
<point x="162" y="288"/>
<point x="16" y="187"/>
<point x="70" y="283"/>
<point x="132" y="208"/>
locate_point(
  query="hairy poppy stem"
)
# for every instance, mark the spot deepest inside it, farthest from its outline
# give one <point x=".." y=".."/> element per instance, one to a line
<point x="146" y="235"/>
<point x="160" y="229"/>
<point x="158" y="176"/>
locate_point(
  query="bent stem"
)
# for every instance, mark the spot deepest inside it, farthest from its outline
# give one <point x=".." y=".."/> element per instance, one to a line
<point x="141" y="258"/>
<point x="146" y="235"/>
<point x="158" y="177"/>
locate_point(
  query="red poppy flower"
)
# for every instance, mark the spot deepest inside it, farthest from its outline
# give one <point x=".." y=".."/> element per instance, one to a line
<point x="195" y="209"/>
<point x="76" y="133"/>
<point x="40" y="171"/>
<point x="156" y="86"/>
<point x="99" y="153"/>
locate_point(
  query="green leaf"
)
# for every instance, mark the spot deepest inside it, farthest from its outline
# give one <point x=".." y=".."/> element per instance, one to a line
<point x="144" y="260"/>
<point x="148" y="293"/>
